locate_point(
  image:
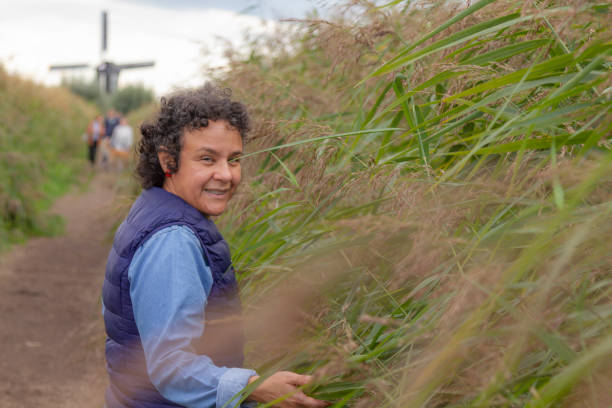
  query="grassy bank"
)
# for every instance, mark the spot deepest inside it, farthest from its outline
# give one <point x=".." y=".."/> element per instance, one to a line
<point x="425" y="215"/>
<point x="41" y="154"/>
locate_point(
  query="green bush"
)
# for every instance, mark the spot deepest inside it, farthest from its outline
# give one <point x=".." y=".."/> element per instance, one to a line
<point x="88" y="90"/>
<point x="124" y="100"/>
<point x="130" y="98"/>
<point x="41" y="154"/>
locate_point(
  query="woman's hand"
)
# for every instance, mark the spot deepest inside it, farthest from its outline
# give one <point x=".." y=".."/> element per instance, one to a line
<point x="285" y="383"/>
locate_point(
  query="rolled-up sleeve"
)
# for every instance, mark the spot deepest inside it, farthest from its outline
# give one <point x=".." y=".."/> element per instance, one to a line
<point x="169" y="285"/>
<point x="231" y="383"/>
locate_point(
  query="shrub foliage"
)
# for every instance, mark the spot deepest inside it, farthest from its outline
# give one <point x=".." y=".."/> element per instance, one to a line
<point x="425" y="215"/>
<point x="41" y="154"/>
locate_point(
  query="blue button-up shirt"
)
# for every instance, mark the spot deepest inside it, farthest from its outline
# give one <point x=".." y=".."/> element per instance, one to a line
<point x="169" y="284"/>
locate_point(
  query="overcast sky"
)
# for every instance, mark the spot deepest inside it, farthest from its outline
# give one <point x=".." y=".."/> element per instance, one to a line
<point x="37" y="33"/>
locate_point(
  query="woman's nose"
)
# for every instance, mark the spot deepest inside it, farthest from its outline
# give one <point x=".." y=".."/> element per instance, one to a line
<point x="222" y="171"/>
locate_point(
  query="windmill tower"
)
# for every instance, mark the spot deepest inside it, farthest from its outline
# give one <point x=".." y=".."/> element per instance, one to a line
<point x="107" y="72"/>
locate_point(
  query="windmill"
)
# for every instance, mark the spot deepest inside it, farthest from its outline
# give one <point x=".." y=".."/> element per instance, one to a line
<point x="107" y="72"/>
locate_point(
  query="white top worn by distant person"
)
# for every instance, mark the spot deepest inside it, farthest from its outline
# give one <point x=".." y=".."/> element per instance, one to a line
<point x="123" y="137"/>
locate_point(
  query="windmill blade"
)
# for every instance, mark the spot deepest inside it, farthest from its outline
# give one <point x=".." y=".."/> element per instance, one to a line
<point x="136" y="65"/>
<point x="67" y="66"/>
<point x="104" y="31"/>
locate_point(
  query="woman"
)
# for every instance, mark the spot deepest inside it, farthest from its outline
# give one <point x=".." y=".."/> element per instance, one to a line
<point x="171" y="305"/>
<point x="95" y="130"/>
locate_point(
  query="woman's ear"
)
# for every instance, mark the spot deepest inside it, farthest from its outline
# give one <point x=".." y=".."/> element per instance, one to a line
<point x="165" y="160"/>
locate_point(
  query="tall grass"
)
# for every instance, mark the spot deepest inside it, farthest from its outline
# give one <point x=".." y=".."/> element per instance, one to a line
<point x="425" y="219"/>
<point x="41" y="154"/>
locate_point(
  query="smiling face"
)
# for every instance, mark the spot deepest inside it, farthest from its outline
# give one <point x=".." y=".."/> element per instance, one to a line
<point x="209" y="170"/>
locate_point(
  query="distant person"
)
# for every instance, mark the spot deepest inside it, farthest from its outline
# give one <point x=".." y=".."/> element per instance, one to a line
<point x="111" y="120"/>
<point x="121" y="143"/>
<point x="95" y="131"/>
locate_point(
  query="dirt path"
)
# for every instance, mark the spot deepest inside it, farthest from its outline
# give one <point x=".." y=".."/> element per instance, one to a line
<point x="52" y="335"/>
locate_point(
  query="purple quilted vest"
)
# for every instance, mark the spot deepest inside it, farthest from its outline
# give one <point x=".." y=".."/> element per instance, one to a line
<point x="223" y="339"/>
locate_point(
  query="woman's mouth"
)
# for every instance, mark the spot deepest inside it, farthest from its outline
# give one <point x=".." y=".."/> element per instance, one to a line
<point x="217" y="192"/>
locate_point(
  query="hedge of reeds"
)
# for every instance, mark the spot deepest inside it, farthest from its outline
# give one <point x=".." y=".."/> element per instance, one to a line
<point x="425" y="215"/>
<point x="41" y="154"/>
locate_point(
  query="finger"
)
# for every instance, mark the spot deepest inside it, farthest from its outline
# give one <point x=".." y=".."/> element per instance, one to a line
<point x="310" y="402"/>
<point x="298" y="379"/>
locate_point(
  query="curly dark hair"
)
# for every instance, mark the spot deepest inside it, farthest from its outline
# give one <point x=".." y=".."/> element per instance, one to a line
<point x="180" y="112"/>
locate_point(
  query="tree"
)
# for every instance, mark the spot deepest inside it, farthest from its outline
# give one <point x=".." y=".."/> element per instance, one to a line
<point x="88" y="90"/>
<point x="130" y="98"/>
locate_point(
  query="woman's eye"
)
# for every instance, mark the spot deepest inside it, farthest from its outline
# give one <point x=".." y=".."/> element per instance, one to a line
<point x="235" y="160"/>
<point x="207" y="159"/>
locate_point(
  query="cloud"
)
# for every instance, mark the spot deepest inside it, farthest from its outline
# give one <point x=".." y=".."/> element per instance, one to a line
<point x="37" y="33"/>
<point x="262" y="8"/>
